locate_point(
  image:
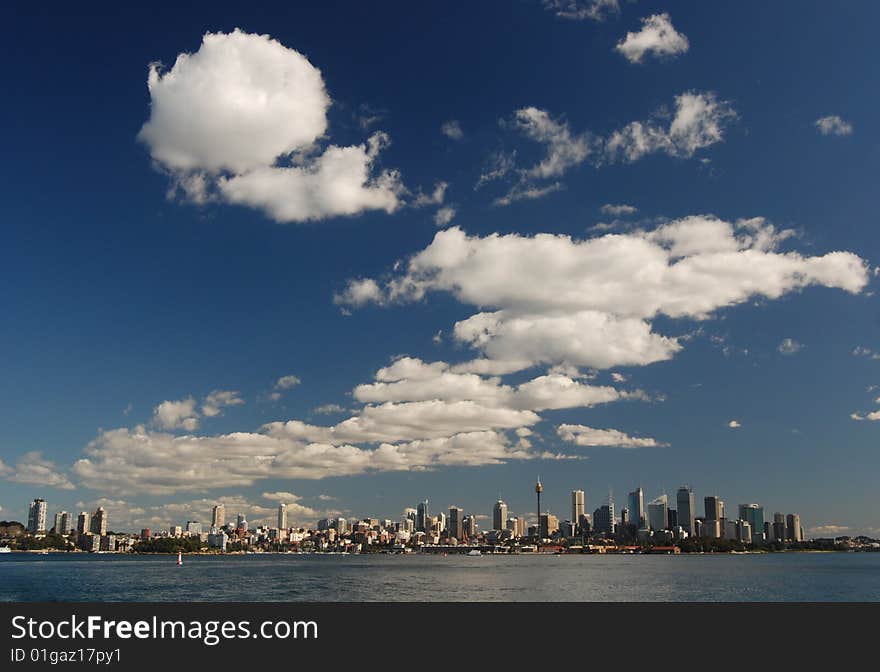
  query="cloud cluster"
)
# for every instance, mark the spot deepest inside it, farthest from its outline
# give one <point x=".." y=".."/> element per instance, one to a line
<point x="452" y="130"/>
<point x="240" y="121"/>
<point x="35" y="469"/>
<point x="789" y="346"/>
<point x="185" y="413"/>
<point x="657" y="37"/>
<point x="551" y="299"/>
<point x="580" y="10"/>
<point x="582" y="435"/>
<point x="833" y="125"/>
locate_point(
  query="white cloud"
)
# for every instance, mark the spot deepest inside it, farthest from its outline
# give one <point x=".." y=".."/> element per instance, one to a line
<point x="563" y="148"/>
<point x="444" y="216"/>
<point x="328" y="409"/>
<point x="833" y="125"/>
<point x="789" y="346"/>
<point x="452" y="129"/>
<point x="734" y="424"/>
<point x="287" y="382"/>
<point x="873" y="416"/>
<point x="698" y="122"/>
<point x="180" y="414"/>
<point x="618" y="377"/>
<point x="861" y="351"/>
<point x="281" y="496"/>
<point x="591" y="302"/>
<point x="579" y="10"/>
<point x="218" y="400"/>
<point x="360" y="292"/>
<point x="526" y="192"/>
<point x="582" y="435"/>
<point x="621" y="210"/>
<point x="657" y="37"/>
<point x="829" y="530"/>
<point x="226" y="120"/>
<point x="35" y="469"/>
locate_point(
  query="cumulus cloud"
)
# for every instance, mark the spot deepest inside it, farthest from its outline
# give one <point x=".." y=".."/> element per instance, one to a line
<point x="829" y="530"/>
<point x="862" y="351"/>
<point x="444" y="216"/>
<point x="287" y="382"/>
<point x="580" y="10"/>
<point x="657" y="37"/>
<point x="551" y="299"/>
<point x="620" y="210"/>
<point x="452" y="129"/>
<point x="218" y="400"/>
<point x="564" y="149"/>
<point x="789" y="346"/>
<point x="328" y="409"/>
<point x="582" y="435"/>
<point x="734" y="424"/>
<point x="35" y="469"/>
<point x="833" y="125"/>
<point x="180" y="414"/>
<point x="240" y="121"/>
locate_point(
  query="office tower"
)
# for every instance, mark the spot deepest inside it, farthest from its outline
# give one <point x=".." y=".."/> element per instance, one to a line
<point x="671" y="519"/>
<point x="685" y="501"/>
<point x="603" y="519"/>
<point x="469" y="526"/>
<point x="793" y="530"/>
<point x="710" y="529"/>
<point x="636" y="506"/>
<point x="193" y="527"/>
<point x="341" y="525"/>
<point x="175" y="531"/>
<point x="62" y="523"/>
<point x="744" y="531"/>
<point x="411" y="514"/>
<point x="513" y="527"/>
<point x="422" y="516"/>
<point x="37" y="516"/>
<point x="728" y="530"/>
<point x="538" y="490"/>
<point x="146" y="533"/>
<point x="624" y="518"/>
<point x="455" y="522"/>
<point x="547" y="525"/>
<point x="282" y="516"/>
<point x="577" y="505"/>
<point x="241" y="522"/>
<point x="657" y="518"/>
<point x="778" y="529"/>
<point x="218" y="516"/>
<point x="714" y="508"/>
<point x="99" y="522"/>
<point x="499" y="515"/>
<point x="441" y="522"/>
<point x="754" y="514"/>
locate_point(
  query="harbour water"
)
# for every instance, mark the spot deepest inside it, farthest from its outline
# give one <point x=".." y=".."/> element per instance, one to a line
<point x="367" y="578"/>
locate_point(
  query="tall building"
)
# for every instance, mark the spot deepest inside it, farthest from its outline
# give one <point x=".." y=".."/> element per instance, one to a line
<point x="547" y="525"/>
<point x="341" y="525"/>
<point x="455" y="523"/>
<point x="37" y="511"/>
<point x="499" y="515"/>
<point x="62" y="523"/>
<point x="83" y="522"/>
<point x="636" y="505"/>
<point x="218" y="516"/>
<point x="175" y="531"/>
<point x="469" y="525"/>
<point x="193" y="527"/>
<point x="671" y="519"/>
<point x="603" y="518"/>
<point x="441" y="522"/>
<point x="99" y="522"/>
<point x="411" y="514"/>
<point x="577" y="505"/>
<point x="754" y="514"/>
<point x="282" y="516"/>
<point x="538" y="490"/>
<point x="624" y="518"/>
<point x="422" y="516"/>
<point x="684" y="500"/>
<point x="657" y="517"/>
<point x="241" y="522"/>
<point x="793" y="529"/>
<point x="714" y="508"/>
<point x="778" y="528"/>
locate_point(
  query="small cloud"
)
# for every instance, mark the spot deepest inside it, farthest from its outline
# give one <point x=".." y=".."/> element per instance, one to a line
<point x="181" y="414"/>
<point x="861" y="351"/>
<point x="657" y="37"/>
<point x="281" y="496"/>
<point x="789" y="346"/>
<point x="619" y="210"/>
<point x="326" y="498"/>
<point x="328" y="409"/>
<point x="218" y="400"/>
<point x="287" y="382"/>
<point x="444" y="215"/>
<point x="833" y="125"/>
<point x="829" y="530"/>
<point x="452" y="129"/>
<point x="734" y="424"/>
<point x="618" y="377"/>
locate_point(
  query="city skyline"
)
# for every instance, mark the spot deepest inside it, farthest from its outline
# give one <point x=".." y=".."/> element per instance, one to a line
<point x="293" y="255"/>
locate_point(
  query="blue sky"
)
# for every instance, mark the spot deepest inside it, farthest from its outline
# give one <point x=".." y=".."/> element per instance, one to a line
<point x="265" y="222"/>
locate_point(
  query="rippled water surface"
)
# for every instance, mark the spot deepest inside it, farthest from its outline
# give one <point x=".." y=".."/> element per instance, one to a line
<point x="360" y="578"/>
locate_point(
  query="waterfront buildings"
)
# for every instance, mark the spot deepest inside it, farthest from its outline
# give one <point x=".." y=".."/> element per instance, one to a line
<point x="684" y="500"/>
<point x="37" y="516"/>
<point x="499" y="515"/>
<point x="636" y="505"/>
<point x="282" y="516"/>
<point x="657" y="517"/>
<point x="99" y="522"/>
<point x="577" y="506"/>
<point x="456" y="522"/>
<point x="714" y="508"/>
<point x="754" y="514"/>
<point x="218" y="516"/>
<point x="422" y="516"/>
<point x="793" y="530"/>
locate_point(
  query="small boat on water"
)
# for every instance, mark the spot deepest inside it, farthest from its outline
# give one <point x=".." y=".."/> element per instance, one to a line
<point x="475" y="552"/>
<point x="5" y="549"/>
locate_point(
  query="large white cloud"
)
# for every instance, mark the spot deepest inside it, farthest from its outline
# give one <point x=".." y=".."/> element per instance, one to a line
<point x="240" y="120"/>
<point x="591" y="302"/>
<point x="582" y="435"/>
<point x="35" y="469"/>
<point x="657" y="37"/>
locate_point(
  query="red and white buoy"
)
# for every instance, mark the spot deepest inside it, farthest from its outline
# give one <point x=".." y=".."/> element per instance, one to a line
<point x="179" y="558"/>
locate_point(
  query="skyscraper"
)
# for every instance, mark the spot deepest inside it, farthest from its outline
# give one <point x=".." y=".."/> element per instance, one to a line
<point x="62" y="523"/>
<point x="82" y="522"/>
<point x="499" y="515"/>
<point x="469" y="525"/>
<point x="538" y="490"/>
<point x="577" y="505"/>
<point x="714" y="508"/>
<point x="685" y="501"/>
<point x="778" y="528"/>
<point x="603" y="518"/>
<point x="754" y="514"/>
<point x="455" y="522"/>
<point x="636" y="506"/>
<point x="422" y="516"/>
<point x="99" y="522"/>
<point x="282" y="516"/>
<point x="37" y="511"/>
<point x="793" y="527"/>
<point x="218" y="516"/>
<point x="241" y="522"/>
<point x="657" y="513"/>
<point x="547" y="525"/>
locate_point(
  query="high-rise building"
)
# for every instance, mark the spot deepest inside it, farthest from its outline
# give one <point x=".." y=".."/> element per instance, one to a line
<point x="99" y="522"/>
<point x="684" y="500"/>
<point x="636" y="505"/>
<point x="577" y="505"/>
<point x="62" y="523"/>
<point x="37" y="511"/>
<point x="83" y="522"/>
<point x="175" y="531"/>
<point x="547" y="525"/>
<point x="193" y="527"/>
<point x="422" y="516"/>
<point x="671" y="519"/>
<point x="710" y="529"/>
<point x="778" y="529"/>
<point x="657" y="519"/>
<point x="499" y="515"/>
<point x="714" y="508"/>
<point x="603" y="519"/>
<point x="754" y="514"/>
<point x="218" y="516"/>
<point x="455" y="522"/>
<point x="624" y="518"/>
<point x="241" y="522"/>
<point x="793" y="530"/>
<point x="469" y="525"/>
<point x="538" y="490"/>
<point x="441" y="522"/>
<point x="341" y="525"/>
<point x="282" y="516"/>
